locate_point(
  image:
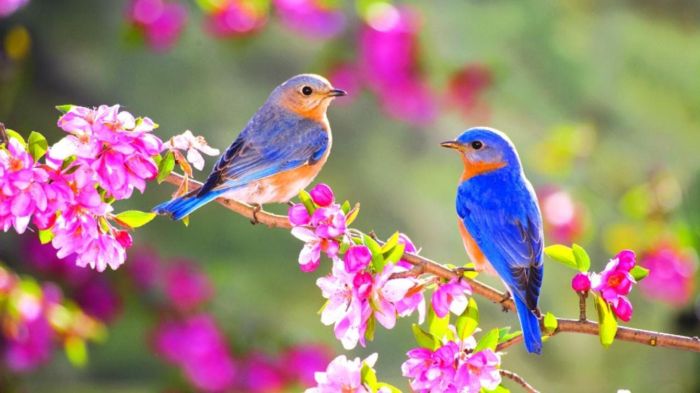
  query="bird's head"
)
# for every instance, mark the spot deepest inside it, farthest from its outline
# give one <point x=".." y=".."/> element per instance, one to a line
<point x="484" y="150"/>
<point x="307" y="95"/>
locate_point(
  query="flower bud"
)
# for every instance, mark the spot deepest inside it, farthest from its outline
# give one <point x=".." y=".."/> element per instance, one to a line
<point x="581" y="282"/>
<point x="357" y="258"/>
<point x="298" y="215"/>
<point x="322" y="195"/>
<point x="124" y="238"/>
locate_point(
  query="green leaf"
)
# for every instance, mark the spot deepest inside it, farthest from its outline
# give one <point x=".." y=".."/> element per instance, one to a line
<point x="488" y="341"/>
<point x="391" y="243"/>
<point x="166" y="165"/>
<point x="504" y="334"/>
<point x="550" y="323"/>
<point x="639" y="273"/>
<point x="562" y="254"/>
<point x="438" y="327"/>
<point x="376" y="250"/>
<point x="583" y="261"/>
<point x="371" y="326"/>
<point x="135" y="218"/>
<point x="395" y="254"/>
<point x="350" y="218"/>
<point x="607" y="321"/>
<point x="38" y="145"/>
<point x="346" y="207"/>
<point x="305" y="198"/>
<point x="423" y="338"/>
<point x="392" y="388"/>
<point x="45" y="236"/>
<point x="368" y="376"/>
<point x="499" y="389"/>
<point x="469" y="320"/>
<point x="76" y="351"/>
<point x="16" y="135"/>
<point x="186" y="221"/>
<point x="65" y="108"/>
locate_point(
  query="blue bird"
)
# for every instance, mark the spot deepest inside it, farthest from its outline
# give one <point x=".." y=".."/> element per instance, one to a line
<point x="279" y="152"/>
<point x="500" y="221"/>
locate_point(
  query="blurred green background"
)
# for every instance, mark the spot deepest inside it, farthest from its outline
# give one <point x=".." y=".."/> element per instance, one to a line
<point x="599" y="97"/>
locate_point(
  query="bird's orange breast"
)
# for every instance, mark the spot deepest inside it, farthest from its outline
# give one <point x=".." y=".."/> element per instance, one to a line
<point x="472" y="168"/>
<point x="473" y="250"/>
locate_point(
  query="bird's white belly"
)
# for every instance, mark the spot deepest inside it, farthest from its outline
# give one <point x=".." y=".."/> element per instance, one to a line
<point x="267" y="191"/>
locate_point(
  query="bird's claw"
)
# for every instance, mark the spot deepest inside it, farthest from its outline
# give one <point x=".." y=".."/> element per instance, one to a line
<point x="256" y="209"/>
<point x="503" y="301"/>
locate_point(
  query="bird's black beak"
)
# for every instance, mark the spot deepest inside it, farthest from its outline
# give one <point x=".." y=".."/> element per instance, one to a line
<point x="451" y="145"/>
<point x="337" y="93"/>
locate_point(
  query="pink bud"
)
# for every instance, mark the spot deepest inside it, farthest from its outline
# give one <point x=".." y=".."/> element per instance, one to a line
<point x="581" y="282"/>
<point x="627" y="260"/>
<point x="298" y="215"/>
<point x="363" y="285"/>
<point x="406" y="241"/>
<point x="357" y="258"/>
<point x="322" y="195"/>
<point x="124" y="238"/>
<point x="623" y="309"/>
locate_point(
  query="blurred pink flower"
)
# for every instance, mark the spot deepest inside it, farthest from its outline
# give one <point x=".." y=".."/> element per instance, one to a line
<point x="262" y="374"/>
<point x="99" y="298"/>
<point x="313" y="18"/>
<point x="8" y="7"/>
<point x="322" y="195"/>
<point x="236" y="18"/>
<point x="347" y="76"/>
<point x="198" y="347"/>
<point x="343" y="375"/>
<point x="451" y="296"/>
<point x="671" y="273"/>
<point x="144" y="269"/>
<point x="301" y="362"/>
<point x="186" y="287"/>
<point x="466" y="88"/>
<point x="31" y="346"/>
<point x="563" y="216"/>
<point x="161" y="22"/>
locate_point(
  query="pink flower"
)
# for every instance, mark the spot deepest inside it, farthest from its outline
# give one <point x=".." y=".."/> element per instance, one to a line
<point x="671" y="272"/>
<point x="329" y="222"/>
<point x="430" y="371"/>
<point x="193" y="146"/>
<point x="414" y="299"/>
<point x="310" y="255"/>
<point x="31" y="348"/>
<point x="298" y="215"/>
<point x="387" y="292"/>
<point x="198" y="347"/>
<point x="236" y="18"/>
<point x="622" y="307"/>
<point x="263" y="374"/>
<point x="480" y="370"/>
<point x="451" y="296"/>
<point x="466" y="88"/>
<point x="581" y="282"/>
<point x="343" y="375"/>
<point x="144" y="269"/>
<point x="100" y="299"/>
<point x="161" y="22"/>
<point x="303" y="361"/>
<point x="615" y="282"/>
<point x="8" y="7"/>
<point x="314" y="18"/>
<point x="322" y="195"/>
<point x="186" y="287"/>
<point x="343" y="309"/>
<point x="357" y="258"/>
<point x="563" y="216"/>
<point x="348" y="76"/>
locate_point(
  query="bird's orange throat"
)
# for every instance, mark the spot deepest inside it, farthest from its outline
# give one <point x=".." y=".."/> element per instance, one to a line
<point x="472" y="168"/>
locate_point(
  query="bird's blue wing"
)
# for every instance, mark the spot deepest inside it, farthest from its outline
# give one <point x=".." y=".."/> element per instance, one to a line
<point x="268" y="145"/>
<point x="508" y="230"/>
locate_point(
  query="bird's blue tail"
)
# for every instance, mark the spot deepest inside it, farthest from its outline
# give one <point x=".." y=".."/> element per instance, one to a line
<point x="179" y="208"/>
<point x="532" y="335"/>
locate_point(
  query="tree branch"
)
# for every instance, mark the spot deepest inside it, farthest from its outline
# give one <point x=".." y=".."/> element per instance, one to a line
<point x="519" y="380"/>
<point x="428" y="266"/>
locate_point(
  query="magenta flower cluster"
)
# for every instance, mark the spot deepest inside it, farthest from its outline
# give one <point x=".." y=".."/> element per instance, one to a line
<point x="454" y="367"/>
<point x="345" y="375"/>
<point x="613" y="284"/>
<point x="160" y="21"/>
<point x="8" y="7"/>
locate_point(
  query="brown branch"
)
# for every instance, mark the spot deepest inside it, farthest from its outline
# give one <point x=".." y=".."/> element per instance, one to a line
<point x="519" y="380"/>
<point x="428" y="266"/>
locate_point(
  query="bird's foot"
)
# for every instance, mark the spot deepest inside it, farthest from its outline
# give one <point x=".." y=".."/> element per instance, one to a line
<point x="538" y="313"/>
<point x="257" y="207"/>
<point x="503" y="301"/>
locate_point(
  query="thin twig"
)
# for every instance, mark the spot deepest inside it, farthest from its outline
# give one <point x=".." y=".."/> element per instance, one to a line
<point x="3" y="134"/>
<point x="646" y="337"/>
<point x="582" y="305"/>
<point x="519" y="380"/>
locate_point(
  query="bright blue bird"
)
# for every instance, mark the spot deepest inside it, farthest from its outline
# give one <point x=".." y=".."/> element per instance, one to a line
<point x="279" y="152"/>
<point x="500" y="221"/>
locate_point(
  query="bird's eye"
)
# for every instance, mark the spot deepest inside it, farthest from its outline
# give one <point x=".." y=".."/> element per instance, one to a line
<point x="476" y="145"/>
<point x="306" y="90"/>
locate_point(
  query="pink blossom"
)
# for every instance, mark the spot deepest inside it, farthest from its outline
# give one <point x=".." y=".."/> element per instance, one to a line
<point x="8" y="7"/>
<point x="31" y="347"/>
<point x="357" y="258"/>
<point x="194" y="146"/>
<point x="563" y="216"/>
<point x="310" y="255"/>
<point x="322" y="195"/>
<point x="161" y="22"/>
<point x="430" y="371"/>
<point x="314" y="18"/>
<point x="348" y="76"/>
<point x="480" y="370"/>
<point x="451" y="296"/>
<point x="615" y="282"/>
<point x="343" y="308"/>
<point x="263" y="374"/>
<point x="466" y="88"/>
<point x="233" y="18"/>
<point x="581" y="282"/>
<point x="386" y="292"/>
<point x="414" y="299"/>
<point x="298" y="215"/>
<point x="144" y="269"/>
<point x="99" y="298"/>
<point x="343" y="375"/>
<point x="186" y="287"/>
<point x="329" y="222"/>
<point x="671" y="272"/>
<point x="303" y="361"/>
<point x="622" y="307"/>
<point x="198" y="347"/>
